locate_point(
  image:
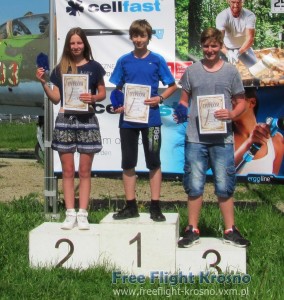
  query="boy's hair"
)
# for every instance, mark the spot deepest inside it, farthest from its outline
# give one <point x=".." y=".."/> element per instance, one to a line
<point x="140" y="27"/>
<point x="211" y="33"/>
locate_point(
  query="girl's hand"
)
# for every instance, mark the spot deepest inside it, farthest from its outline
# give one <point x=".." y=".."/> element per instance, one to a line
<point x="87" y="98"/>
<point x="40" y="75"/>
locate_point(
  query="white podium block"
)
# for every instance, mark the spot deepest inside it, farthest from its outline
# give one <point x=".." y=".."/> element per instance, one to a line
<point x="139" y="245"/>
<point x="211" y="255"/>
<point x="51" y="246"/>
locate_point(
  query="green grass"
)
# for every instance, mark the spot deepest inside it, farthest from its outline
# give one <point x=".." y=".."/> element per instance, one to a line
<point x="261" y="223"/>
<point x="267" y="193"/>
<point x="15" y="135"/>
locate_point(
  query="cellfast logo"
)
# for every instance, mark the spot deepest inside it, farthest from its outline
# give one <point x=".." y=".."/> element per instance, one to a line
<point x="125" y="6"/>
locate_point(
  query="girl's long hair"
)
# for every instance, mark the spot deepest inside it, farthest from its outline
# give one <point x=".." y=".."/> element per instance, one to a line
<point x="66" y="63"/>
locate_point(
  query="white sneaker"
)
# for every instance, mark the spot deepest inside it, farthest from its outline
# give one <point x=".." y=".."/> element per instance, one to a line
<point x="70" y="220"/>
<point x="82" y="220"/>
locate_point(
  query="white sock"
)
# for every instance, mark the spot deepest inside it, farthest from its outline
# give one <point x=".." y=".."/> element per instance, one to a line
<point x="71" y="210"/>
<point x="81" y="210"/>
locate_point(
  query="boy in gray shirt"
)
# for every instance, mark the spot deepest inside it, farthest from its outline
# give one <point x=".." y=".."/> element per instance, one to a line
<point x="213" y="79"/>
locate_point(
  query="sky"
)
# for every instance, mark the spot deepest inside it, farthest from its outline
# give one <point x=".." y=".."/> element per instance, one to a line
<point x="17" y="8"/>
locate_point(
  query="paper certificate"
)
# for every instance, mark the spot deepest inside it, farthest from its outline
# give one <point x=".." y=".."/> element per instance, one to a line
<point x="134" y="108"/>
<point x="207" y="105"/>
<point x="73" y="86"/>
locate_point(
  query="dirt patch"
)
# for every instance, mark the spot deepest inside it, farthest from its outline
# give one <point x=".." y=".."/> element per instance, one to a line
<point x="20" y="177"/>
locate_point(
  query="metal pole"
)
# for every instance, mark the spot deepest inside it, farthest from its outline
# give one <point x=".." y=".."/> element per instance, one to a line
<point x="50" y="181"/>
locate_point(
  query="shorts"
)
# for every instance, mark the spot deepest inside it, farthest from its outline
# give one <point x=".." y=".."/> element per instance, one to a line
<point x="221" y="159"/>
<point x="151" y="139"/>
<point x="76" y="132"/>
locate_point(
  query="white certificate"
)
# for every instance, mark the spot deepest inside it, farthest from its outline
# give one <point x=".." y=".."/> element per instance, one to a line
<point x="134" y="108"/>
<point x="207" y="105"/>
<point x="73" y="86"/>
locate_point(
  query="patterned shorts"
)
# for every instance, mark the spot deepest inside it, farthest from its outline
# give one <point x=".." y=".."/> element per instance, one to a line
<point x="77" y="132"/>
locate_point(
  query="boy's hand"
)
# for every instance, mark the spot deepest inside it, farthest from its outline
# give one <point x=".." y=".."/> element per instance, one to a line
<point x="223" y="114"/>
<point x="153" y="101"/>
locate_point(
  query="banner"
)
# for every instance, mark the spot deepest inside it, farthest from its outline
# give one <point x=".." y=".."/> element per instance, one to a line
<point x="106" y="24"/>
<point x="177" y="27"/>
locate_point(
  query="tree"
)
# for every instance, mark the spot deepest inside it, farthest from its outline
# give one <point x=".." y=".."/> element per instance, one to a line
<point x="194" y="22"/>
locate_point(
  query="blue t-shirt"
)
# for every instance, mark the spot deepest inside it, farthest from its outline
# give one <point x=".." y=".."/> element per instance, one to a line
<point x="145" y="71"/>
<point x="94" y="69"/>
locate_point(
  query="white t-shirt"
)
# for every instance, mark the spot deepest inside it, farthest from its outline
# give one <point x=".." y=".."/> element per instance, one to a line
<point x="235" y="28"/>
<point x="262" y="165"/>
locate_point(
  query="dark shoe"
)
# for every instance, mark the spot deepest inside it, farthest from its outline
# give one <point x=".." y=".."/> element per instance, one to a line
<point x="156" y="214"/>
<point x="234" y="237"/>
<point x="126" y="213"/>
<point x="190" y="238"/>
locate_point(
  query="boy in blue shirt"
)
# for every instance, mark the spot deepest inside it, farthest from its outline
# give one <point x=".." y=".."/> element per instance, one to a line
<point x="142" y="67"/>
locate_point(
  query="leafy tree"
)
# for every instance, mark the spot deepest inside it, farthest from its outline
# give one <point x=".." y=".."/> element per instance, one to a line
<point x="195" y="15"/>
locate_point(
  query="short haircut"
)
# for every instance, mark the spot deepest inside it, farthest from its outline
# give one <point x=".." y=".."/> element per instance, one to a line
<point x="251" y="92"/>
<point x="140" y="27"/>
<point x="211" y="33"/>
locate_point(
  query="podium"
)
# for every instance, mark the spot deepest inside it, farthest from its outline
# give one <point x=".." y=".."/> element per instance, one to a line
<point x="137" y="246"/>
<point x="51" y="246"/>
<point x="211" y="255"/>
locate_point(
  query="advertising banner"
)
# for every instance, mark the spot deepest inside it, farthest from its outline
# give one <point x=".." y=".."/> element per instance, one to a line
<point x="255" y="40"/>
<point x="106" y="24"/>
<point x="254" y="45"/>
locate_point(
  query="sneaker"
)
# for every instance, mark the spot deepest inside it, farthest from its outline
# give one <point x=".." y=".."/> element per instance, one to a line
<point x="233" y="237"/>
<point x="82" y="220"/>
<point x="190" y="238"/>
<point x="126" y="213"/>
<point x="70" y="221"/>
<point x="156" y="214"/>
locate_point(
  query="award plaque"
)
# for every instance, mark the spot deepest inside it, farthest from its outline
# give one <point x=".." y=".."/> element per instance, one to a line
<point x="73" y="86"/>
<point x="134" y="108"/>
<point x="207" y="105"/>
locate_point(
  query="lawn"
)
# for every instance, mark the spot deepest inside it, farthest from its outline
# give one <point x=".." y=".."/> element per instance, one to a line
<point x="261" y="222"/>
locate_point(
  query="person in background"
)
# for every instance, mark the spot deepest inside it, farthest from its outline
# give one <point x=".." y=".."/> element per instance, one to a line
<point x="238" y="27"/>
<point x="142" y="67"/>
<point x="247" y="131"/>
<point x="211" y="76"/>
<point x="76" y="130"/>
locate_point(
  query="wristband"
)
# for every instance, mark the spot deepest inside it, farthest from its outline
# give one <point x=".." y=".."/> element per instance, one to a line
<point x="161" y="99"/>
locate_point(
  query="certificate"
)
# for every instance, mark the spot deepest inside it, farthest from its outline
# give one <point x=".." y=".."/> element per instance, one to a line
<point x="73" y="86"/>
<point x="207" y="105"/>
<point x="134" y="108"/>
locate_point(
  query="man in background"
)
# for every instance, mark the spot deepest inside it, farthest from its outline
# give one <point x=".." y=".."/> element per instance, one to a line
<point x="238" y="27"/>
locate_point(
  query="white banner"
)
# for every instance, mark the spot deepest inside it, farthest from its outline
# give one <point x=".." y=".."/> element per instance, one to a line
<point x="106" y="24"/>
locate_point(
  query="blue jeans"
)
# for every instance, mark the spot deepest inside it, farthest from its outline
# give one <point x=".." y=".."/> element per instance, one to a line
<point x="221" y="160"/>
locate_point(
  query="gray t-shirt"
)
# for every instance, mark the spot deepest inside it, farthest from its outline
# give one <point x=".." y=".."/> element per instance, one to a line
<point x="197" y="81"/>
